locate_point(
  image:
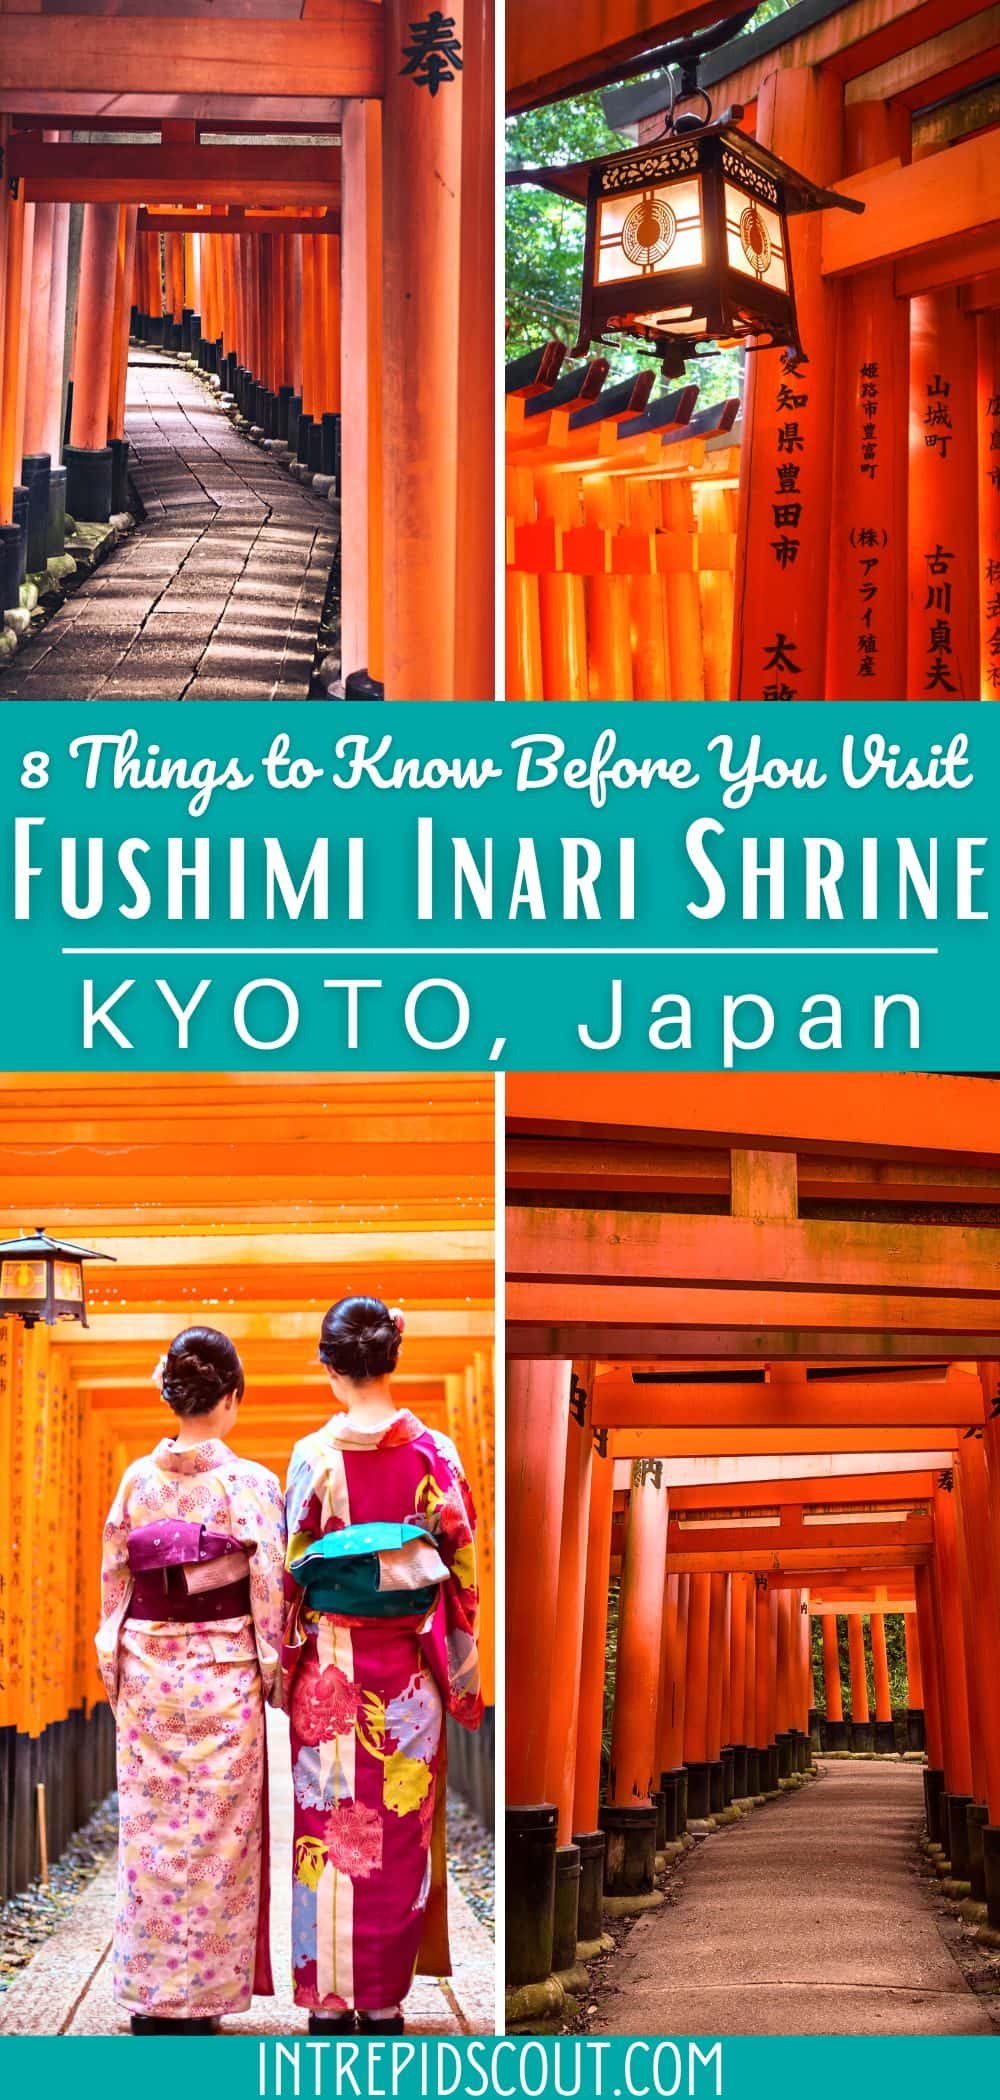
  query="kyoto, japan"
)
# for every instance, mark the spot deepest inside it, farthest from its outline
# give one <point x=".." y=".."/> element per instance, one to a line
<point x="246" y="350"/>
<point x="753" y="350"/>
<point x="246" y="1555"/>
<point x="752" y="1554"/>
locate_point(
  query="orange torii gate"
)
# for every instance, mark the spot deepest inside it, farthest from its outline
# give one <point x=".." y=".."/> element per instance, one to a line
<point x="352" y="115"/>
<point x="867" y="527"/>
<point x="232" y="1199"/>
<point x="813" y="1439"/>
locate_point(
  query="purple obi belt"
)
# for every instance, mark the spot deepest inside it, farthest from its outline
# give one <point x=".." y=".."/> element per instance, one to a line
<point x="179" y="1574"/>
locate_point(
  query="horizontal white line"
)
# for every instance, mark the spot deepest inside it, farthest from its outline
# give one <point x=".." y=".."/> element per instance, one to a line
<point x="524" y="954"/>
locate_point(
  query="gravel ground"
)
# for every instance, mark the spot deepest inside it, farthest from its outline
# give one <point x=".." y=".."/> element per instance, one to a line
<point x="471" y="1859"/>
<point x="29" y="1919"/>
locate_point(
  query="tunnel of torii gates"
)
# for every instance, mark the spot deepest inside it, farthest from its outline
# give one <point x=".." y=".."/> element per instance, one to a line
<point x="753" y="1330"/>
<point x="840" y="539"/>
<point x="248" y="1203"/>
<point x="300" y="192"/>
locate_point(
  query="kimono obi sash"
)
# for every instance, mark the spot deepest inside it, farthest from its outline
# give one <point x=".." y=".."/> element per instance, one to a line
<point x="371" y="1571"/>
<point x="186" y="1573"/>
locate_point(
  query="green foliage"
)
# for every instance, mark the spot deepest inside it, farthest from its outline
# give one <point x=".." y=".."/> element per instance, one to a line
<point x="544" y="239"/>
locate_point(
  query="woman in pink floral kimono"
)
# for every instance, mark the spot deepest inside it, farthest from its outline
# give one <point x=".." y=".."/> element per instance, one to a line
<point x="380" y="1645"/>
<point x="189" y="1652"/>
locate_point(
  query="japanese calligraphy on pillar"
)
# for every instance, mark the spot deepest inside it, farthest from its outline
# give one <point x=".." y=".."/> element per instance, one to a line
<point x="435" y="56"/>
<point x="939" y="655"/>
<point x="869" y="541"/>
<point x="781" y="665"/>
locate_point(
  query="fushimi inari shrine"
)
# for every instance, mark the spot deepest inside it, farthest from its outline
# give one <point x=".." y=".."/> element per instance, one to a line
<point x="298" y="192"/>
<point x="244" y="1202"/>
<point x="753" y="1330"/>
<point x="837" y="534"/>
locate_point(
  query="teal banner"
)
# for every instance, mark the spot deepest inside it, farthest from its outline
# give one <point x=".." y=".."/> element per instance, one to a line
<point x="657" y="887"/>
<point x="569" y="2067"/>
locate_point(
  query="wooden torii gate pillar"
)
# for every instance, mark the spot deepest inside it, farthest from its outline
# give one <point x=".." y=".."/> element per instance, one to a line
<point x="630" y="1816"/>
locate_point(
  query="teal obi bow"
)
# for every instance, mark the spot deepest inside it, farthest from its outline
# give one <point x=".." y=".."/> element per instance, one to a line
<point x="342" y="1572"/>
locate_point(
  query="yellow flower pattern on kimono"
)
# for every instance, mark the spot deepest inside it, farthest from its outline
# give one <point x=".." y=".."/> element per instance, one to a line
<point x="407" y="1783"/>
<point x="370" y="1724"/>
<point x="310" y="1860"/>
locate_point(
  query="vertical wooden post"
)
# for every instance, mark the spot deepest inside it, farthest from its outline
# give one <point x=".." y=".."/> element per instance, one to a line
<point x="25" y="326"/>
<point x="92" y="364"/>
<point x="929" y="1665"/>
<point x="670" y="1719"/>
<point x="866" y="644"/>
<point x="586" y="1795"/>
<point x="981" y="1619"/>
<point x="763" y="1707"/>
<point x="954" y="1680"/>
<point x="38" y="329"/>
<point x="859" y="1675"/>
<point x="421" y="322"/>
<point x="914" y="1673"/>
<point x="637" y="1677"/>
<point x="537" y="1422"/>
<point x="880" y="1663"/>
<point x="564" y="1673"/>
<point x="749" y="1736"/>
<point x="988" y="450"/>
<point x="361" y="392"/>
<point x="9" y="372"/>
<point x="831" y="1669"/>
<point x="943" y="643"/>
<point x="696" y="1672"/>
<point x="474" y="612"/>
<point x="55" y="348"/>
<point x="738" y="1656"/>
<point x="783" y="544"/>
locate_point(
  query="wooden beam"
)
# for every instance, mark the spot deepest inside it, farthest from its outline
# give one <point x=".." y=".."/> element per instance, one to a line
<point x="777" y="1443"/>
<point x="866" y="1490"/>
<point x="784" y="1539"/>
<point x="168" y="221"/>
<point x="109" y="55"/>
<point x="912" y="207"/>
<point x="720" y="1478"/>
<point x="220" y="175"/>
<point x="658" y="1167"/>
<point x="789" y="1408"/>
<point x="570" y="45"/>
<point x="594" y="1338"/>
<point x="808" y="1255"/>
<point x="942" y="263"/>
<point x="910" y="1115"/>
<point x="801" y="1561"/>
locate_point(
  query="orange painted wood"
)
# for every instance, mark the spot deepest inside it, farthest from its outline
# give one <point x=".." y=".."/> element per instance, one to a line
<point x="38" y="329"/>
<point x="866" y="632"/>
<point x="763" y="1651"/>
<point x="833" y="1490"/>
<point x="925" y="1615"/>
<point x="880" y="1661"/>
<point x="911" y="207"/>
<point x="563" y="1701"/>
<point x="421" y="290"/>
<point x="695" y="1735"/>
<point x="24" y="323"/>
<point x="741" y="1584"/>
<point x="981" y="1614"/>
<point x="673" y="1674"/>
<point x="475" y="671"/>
<point x="718" y="1661"/>
<point x="537" y="1419"/>
<point x="361" y="437"/>
<point x="783" y="540"/>
<point x="914" y="1673"/>
<point x="988" y="476"/>
<point x="804" y="1254"/>
<point x="92" y="363"/>
<point x="122" y="54"/>
<point x="819" y="1538"/>
<point x="951" y="1648"/>
<point x="55" y="346"/>
<point x="879" y="1113"/>
<point x="586" y="1794"/>
<point x="943" y="652"/>
<point x="637" y="1675"/>
<point x="831" y="1669"/>
<point x="859" y="1681"/>
<point x="619" y="1403"/>
<point x="796" y="1561"/>
<point x="551" y="53"/>
<point x="749" y="1730"/>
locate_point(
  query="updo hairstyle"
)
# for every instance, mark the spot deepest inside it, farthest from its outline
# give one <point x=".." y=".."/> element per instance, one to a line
<point x="200" y="1369"/>
<point x="360" y="1339"/>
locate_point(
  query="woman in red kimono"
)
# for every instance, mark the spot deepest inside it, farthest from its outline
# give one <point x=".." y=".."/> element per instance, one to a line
<point x="380" y="1645"/>
<point x="189" y="1652"/>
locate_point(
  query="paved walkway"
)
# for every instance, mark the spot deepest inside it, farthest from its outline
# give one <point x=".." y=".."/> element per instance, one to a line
<point x="218" y="595"/>
<point x="66" y="1989"/>
<point x="808" y="1917"/>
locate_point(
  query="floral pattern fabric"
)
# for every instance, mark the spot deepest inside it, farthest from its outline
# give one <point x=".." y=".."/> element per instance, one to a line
<point x="190" y="1923"/>
<point x="366" y="1702"/>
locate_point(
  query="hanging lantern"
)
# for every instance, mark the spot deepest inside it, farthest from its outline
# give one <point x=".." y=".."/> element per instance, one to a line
<point x="42" y="1279"/>
<point x="687" y="237"/>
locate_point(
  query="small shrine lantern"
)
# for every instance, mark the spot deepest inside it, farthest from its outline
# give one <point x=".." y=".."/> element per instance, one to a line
<point x="42" y="1279"/>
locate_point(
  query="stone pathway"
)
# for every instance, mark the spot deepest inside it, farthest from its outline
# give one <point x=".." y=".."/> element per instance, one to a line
<point x="218" y="594"/>
<point x="66" y="1989"/>
<point x="807" y="1917"/>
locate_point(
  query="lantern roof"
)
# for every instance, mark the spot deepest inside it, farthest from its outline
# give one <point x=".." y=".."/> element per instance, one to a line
<point x="40" y="1247"/>
<point x="572" y="179"/>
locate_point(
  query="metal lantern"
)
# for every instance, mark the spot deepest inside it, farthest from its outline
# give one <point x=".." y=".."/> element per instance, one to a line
<point x="687" y="235"/>
<point x="42" y="1279"/>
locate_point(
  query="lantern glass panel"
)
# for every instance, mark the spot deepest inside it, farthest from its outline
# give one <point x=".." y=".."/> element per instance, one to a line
<point x="22" y="1279"/>
<point x="68" y="1282"/>
<point x="648" y="231"/>
<point x="755" y="239"/>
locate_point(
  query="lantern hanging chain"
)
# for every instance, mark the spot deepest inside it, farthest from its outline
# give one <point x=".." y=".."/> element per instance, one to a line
<point x="684" y="58"/>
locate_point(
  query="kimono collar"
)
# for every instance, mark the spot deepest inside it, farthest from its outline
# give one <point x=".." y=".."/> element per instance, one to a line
<point x="402" y="1429"/>
<point x="196" y="1458"/>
